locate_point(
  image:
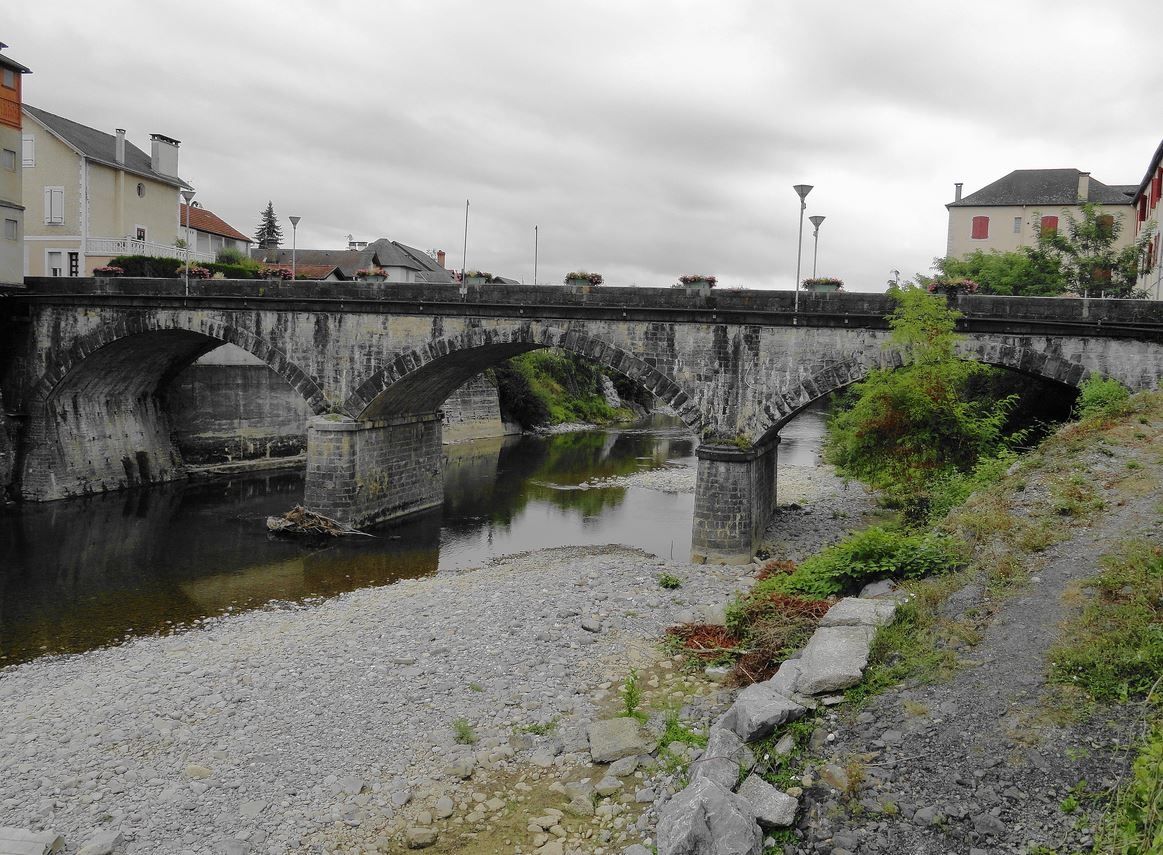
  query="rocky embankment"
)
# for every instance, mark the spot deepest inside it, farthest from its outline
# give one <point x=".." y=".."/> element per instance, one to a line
<point x="451" y="712"/>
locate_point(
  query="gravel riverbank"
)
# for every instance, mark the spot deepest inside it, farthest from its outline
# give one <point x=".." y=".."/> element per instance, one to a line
<point x="332" y="726"/>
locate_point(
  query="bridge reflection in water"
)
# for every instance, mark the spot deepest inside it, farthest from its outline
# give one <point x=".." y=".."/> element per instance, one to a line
<point x="82" y="573"/>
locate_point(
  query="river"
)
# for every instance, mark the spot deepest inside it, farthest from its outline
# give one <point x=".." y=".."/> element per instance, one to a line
<point x="84" y="573"/>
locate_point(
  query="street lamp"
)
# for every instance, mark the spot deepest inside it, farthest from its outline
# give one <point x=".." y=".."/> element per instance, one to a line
<point x="803" y="190"/>
<point x="816" y="219"/>
<point x="294" y="241"/>
<point x="188" y="195"/>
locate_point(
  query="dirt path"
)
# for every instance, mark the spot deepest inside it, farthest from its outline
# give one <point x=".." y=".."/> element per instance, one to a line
<point x="991" y="760"/>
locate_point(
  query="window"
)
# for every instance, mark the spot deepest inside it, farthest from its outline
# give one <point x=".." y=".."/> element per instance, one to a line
<point x="140" y="189"/>
<point x="74" y="264"/>
<point x="54" y="206"/>
<point x="28" y="142"/>
<point x="8" y="160"/>
<point x="55" y="263"/>
<point x="1017" y="225"/>
<point x="10" y="78"/>
<point x="980" y="228"/>
<point x="10" y="229"/>
<point x="1106" y="226"/>
<point x="140" y="231"/>
<point x="1049" y="226"/>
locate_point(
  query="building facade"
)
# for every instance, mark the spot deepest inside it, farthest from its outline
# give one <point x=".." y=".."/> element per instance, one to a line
<point x="11" y="172"/>
<point x="208" y="233"/>
<point x="1146" y="203"/>
<point x="1011" y="212"/>
<point x="90" y="196"/>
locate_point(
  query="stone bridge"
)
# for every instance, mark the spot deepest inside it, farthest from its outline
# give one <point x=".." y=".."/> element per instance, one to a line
<point x="86" y="358"/>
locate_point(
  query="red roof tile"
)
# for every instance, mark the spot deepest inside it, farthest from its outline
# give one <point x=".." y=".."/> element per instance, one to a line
<point x="207" y="221"/>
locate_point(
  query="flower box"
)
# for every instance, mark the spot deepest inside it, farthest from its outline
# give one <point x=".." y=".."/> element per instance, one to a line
<point x="582" y="279"/>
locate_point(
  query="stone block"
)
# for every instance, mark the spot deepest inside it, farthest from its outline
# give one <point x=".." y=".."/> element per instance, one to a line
<point x="773" y="809"/>
<point x="834" y="659"/>
<point x="708" y="818"/>
<point x="725" y="754"/>
<point x="615" y="738"/>
<point x="757" y="711"/>
<point x="21" y="841"/>
<point x="852" y="611"/>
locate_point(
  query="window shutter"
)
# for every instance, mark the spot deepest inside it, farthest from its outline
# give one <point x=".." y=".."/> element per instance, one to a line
<point x="54" y="205"/>
<point x="48" y="205"/>
<point x="28" y="150"/>
<point x="980" y="228"/>
<point x="1106" y="226"/>
<point x="1049" y="226"/>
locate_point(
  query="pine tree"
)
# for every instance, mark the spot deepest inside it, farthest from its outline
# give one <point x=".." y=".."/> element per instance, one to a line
<point x="269" y="234"/>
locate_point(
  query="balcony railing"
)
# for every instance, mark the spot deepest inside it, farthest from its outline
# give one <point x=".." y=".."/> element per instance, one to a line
<point x="129" y="246"/>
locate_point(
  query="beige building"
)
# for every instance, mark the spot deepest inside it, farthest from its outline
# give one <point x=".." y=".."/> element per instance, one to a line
<point x="90" y="196"/>
<point x="1011" y="212"/>
<point x="1147" y="208"/>
<point x="11" y="173"/>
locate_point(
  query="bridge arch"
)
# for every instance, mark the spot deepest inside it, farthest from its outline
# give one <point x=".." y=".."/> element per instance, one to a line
<point x="418" y="380"/>
<point x="186" y="342"/>
<point x="786" y="405"/>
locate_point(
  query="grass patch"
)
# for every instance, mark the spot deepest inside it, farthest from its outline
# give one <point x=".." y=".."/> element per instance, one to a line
<point x="669" y="581"/>
<point x="463" y="732"/>
<point x="1134" y="823"/>
<point x="1113" y="649"/>
<point x="675" y="731"/>
<point x="539" y="728"/>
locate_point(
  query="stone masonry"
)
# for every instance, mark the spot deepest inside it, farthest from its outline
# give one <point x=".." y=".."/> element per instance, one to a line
<point x="735" y="493"/>
<point x="94" y="356"/>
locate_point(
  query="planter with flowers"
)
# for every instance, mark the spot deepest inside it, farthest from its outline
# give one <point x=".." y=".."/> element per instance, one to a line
<point x="953" y="287"/>
<point x="200" y="273"/>
<point x="477" y="277"/>
<point x="823" y="285"/>
<point x="699" y="283"/>
<point x="275" y="272"/>
<point x="582" y="279"/>
<point x="371" y="274"/>
<point x="109" y="270"/>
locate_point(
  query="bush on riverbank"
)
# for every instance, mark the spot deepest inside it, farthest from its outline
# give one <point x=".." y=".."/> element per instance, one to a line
<point x="552" y="386"/>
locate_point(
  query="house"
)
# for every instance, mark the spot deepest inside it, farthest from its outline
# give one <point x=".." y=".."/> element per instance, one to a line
<point x="209" y="233"/>
<point x="399" y="262"/>
<point x="11" y="172"/>
<point x="1146" y="204"/>
<point x="1011" y="212"/>
<point x="91" y="196"/>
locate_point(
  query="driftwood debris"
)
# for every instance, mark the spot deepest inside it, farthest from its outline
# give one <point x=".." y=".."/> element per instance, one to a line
<point x="298" y="520"/>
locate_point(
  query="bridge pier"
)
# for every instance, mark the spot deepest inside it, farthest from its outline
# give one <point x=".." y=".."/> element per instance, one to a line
<point x="364" y="472"/>
<point x="734" y="499"/>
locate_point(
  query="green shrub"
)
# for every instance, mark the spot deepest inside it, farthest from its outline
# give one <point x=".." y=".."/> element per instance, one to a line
<point x="951" y="489"/>
<point x="233" y="271"/>
<point x="147" y="266"/>
<point x="463" y="732"/>
<point x="874" y="553"/>
<point x="632" y="695"/>
<point x="669" y="581"/>
<point x="1101" y="398"/>
<point x="230" y="255"/>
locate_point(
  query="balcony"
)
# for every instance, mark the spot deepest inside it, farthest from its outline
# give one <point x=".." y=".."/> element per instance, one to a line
<point x="128" y="246"/>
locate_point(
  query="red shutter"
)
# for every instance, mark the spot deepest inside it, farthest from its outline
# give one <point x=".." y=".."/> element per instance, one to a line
<point x="1142" y="209"/>
<point x="1049" y="226"/>
<point x="1156" y="187"/>
<point x="980" y="228"/>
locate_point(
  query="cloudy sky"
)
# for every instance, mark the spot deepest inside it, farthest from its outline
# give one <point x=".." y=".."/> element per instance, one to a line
<point x="646" y="138"/>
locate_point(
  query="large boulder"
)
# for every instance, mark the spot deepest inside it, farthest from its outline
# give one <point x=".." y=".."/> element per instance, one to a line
<point x="708" y="819"/>
<point x="852" y="611"/>
<point x="615" y="738"/>
<point x="723" y="758"/>
<point x="757" y="711"/>
<point x="20" y="841"/>
<point x="773" y="809"/>
<point x="834" y="659"/>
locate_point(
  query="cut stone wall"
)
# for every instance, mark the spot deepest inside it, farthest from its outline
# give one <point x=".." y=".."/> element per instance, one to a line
<point x="362" y="473"/>
<point x="735" y="494"/>
<point x="473" y="412"/>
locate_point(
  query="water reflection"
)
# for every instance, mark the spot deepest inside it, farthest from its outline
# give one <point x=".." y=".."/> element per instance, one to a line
<point x="83" y="573"/>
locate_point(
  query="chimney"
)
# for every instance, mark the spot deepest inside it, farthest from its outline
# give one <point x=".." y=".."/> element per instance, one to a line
<point x="163" y="155"/>
<point x="957" y="191"/>
<point x="440" y="257"/>
<point x="119" y="146"/>
<point x="1084" y="186"/>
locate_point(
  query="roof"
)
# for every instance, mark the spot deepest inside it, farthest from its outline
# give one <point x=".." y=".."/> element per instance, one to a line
<point x="207" y="221"/>
<point x="9" y="62"/>
<point x="1146" y="182"/>
<point x="1044" y="187"/>
<point x="382" y="252"/>
<point x="99" y="146"/>
<point x="314" y="271"/>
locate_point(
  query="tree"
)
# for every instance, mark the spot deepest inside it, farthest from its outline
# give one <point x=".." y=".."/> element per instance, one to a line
<point x="906" y="428"/>
<point x="1018" y="274"/>
<point x="1085" y="252"/>
<point x="269" y="234"/>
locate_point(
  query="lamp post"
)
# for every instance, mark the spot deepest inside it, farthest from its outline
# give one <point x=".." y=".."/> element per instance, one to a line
<point x="536" y="244"/>
<point x="188" y="195"/>
<point x="294" y="241"/>
<point x="464" y="255"/>
<point x="815" y="219"/>
<point x="802" y="190"/>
